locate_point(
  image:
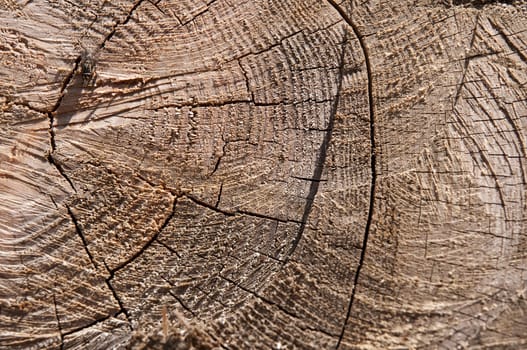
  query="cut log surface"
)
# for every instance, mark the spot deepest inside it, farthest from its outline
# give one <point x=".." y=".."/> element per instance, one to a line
<point x="263" y="174"/>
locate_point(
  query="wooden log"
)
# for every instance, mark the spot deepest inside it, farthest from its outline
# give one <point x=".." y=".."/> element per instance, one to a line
<point x="263" y="174"/>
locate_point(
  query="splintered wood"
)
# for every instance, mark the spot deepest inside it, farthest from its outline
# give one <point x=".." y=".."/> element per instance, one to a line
<point x="263" y="174"/>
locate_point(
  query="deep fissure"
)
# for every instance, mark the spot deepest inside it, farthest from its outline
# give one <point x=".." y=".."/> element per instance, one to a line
<point x="149" y="242"/>
<point x="51" y="159"/>
<point x="367" y="228"/>
<point x="61" y="332"/>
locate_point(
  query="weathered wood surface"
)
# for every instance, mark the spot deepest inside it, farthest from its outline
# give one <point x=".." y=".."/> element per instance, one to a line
<point x="263" y="174"/>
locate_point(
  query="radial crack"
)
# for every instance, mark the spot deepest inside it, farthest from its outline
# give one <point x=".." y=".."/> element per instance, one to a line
<point x="169" y="248"/>
<point x="91" y="324"/>
<point x="208" y="206"/>
<point x="78" y="229"/>
<point x="178" y="299"/>
<point x="466" y="63"/>
<point x="219" y="196"/>
<point x="372" y="163"/>
<point x="134" y="257"/>
<point x="117" y="24"/>
<point x="65" y="84"/>
<point x="60" y="169"/>
<point x="52" y="143"/>
<point x="119" y="301"/>
<point x="276" y="305"/>
<point x="150" y="241"/>
<point x="58" y="323"/>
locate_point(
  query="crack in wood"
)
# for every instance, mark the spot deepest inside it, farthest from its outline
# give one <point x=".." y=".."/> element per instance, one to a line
<point x="169" y="248"/>
<point x="207" y="8"/>
<point x="276" y="305"/>
<point x="133" y="258"/>
<point x="51" y="130"/>
<point x="78" y="229"/>
<point x="178" y="299"/>
<point x="117" y="24"/>
<point x="65" y="84"/>
<point x="58" y="323"/>
<point x="266" y="255"/>
<point x="155" y="4"/>
<point x="218" y="161"/>
<point x="307" y="179"/>
<point x="466" y="63"/>
<point x="235" y="212"/>
<point x="218" y="199"/>
<point x="60" y="169"/>
<point x="267" y="217"/>
<point x="364" y="48"/>
<point x="91" y="324"/>
<point x="183" y="305"/>
<point x="269" y="47"/>
<point x="149" y="242"/>
<point x="208" y="206"/>
<point x="118" y="299"/>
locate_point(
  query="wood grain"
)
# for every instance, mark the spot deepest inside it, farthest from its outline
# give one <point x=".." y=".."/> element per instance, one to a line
<point x="263" y="174"/>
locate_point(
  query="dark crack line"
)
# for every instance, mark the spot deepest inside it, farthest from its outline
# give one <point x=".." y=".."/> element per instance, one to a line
<point x="150" y="241"/>
<point x="319" y="330"/>
<point x="155" y="4"/>
<point x="212" y="298"/>
<point x="266" y="217"/>
<point x="235" y="212"/>
<point x="266" y="255"/>
<point x="216" y="205"/>
<point x="91" y="324"/>
<point x="258" y="296"/>
<point x="169" y="248"/>
<point x="205" y="10"/>
<point x="63" y="88"/>
<point x="217" y="165"/>
<point x="117" y="24"/>
<point x="183" y="305"/>
<point x="372" y="160"/>
<point x="276" y="305"/>
<point x="119" y="301"/>
<point x="78" y="229"/>
<point x="178" y="299"/>
<point x="53" y="201"/>
<point x="51" y="117"/>
<point x="58" y="323"/>
<point x="218" y="161"/>
<point x="307" y="178"/>
<point x="321" y="159"/>
<point x="60" y="169"/>
<point x="466" y="63"/>
<point x="208" y="206"/>
<point x="65" y="84"/>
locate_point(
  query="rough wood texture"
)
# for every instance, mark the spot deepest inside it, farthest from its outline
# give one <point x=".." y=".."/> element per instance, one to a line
<point x="263" y="174"/>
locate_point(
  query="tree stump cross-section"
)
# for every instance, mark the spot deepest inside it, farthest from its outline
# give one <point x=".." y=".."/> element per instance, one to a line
<point x="263" y="174"/>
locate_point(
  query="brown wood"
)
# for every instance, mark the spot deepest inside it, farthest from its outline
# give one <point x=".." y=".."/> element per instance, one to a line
<point x="263" y="174"/>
